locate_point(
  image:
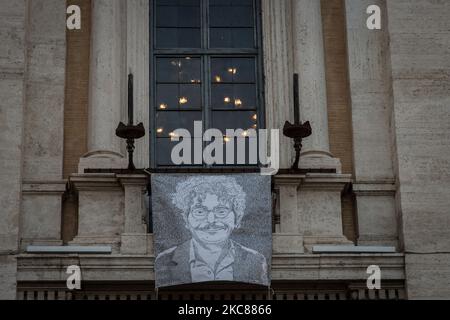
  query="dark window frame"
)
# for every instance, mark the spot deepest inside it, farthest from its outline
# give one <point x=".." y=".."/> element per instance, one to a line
<point x="206" y="54"/>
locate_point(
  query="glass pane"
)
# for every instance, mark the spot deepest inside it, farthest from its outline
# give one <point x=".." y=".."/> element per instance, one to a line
<point x="169" y="121"/>
<point x="222" y="96"/>
<point x="238" y="96"/>
<point x="232" y="38"/>
<point x="231" y="2"/>
<point x="174" y="96"/>
<point x="167" y="96"/>
<point x="178" y="38"/>
<point x="190" y="96"/>
<point x="178" y="17"/>
<point x="180" y="2"/>
<point x="245" y="96"/>
<point x="231" y="16"/>
<point x="232" y="24"/>
<point x="233" y="70"/>
<point x="176" y="70"/>
<point x="224" y="120"/>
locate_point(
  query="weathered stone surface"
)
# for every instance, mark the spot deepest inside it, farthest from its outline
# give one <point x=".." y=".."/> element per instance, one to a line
<point x="428" y="276"/>
<point x="43" y="122"/>
<point x="370" y="85"/>
<point x="41" y="218"/>
<point x="8" y="274"/>
<point x="12" y="67"/>
<point x="421" y="115"/>
<point x="11" y="113"/>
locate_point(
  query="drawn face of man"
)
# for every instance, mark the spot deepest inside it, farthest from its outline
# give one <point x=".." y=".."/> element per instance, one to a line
<point x="211" y="221"/>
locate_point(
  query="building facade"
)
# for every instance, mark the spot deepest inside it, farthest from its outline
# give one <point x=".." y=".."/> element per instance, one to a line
<point x="374" y="181"/>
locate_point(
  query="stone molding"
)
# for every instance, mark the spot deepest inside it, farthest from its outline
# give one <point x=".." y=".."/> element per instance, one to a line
<point x="299" y="267"/>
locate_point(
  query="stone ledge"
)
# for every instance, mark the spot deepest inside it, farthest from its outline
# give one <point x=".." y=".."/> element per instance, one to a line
<point x="374" y="188"/>
<point x="137" y="268"/>
<point x="44" y="187"/>
<point x="95" y="182"/>
<point x="319" y="181"/>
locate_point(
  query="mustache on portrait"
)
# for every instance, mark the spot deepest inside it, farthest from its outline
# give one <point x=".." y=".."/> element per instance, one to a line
<point x="214" y="225"/>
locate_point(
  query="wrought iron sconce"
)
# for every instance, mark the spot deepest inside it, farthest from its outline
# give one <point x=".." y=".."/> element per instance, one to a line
<point x="297" y="131"/>
<point x="130" y="132"/>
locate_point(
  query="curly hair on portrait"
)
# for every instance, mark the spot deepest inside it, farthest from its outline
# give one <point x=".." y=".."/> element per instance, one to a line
<point x="226" y="188"/>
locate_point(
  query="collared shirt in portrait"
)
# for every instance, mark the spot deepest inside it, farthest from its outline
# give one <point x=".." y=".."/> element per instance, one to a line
<point x="202" y="272"/>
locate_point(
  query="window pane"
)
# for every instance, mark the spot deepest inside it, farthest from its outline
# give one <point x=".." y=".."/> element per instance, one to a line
<point x="232" y="38"/>
<point x="232" y="24"/>
<point x="178" y="17"/>
<point x="178" y="70"/>
<point x="179" y="2"/>
<point x="167" y="96"/>
<point x="190" y="96"/>
<point x="224" y="120"/>
<point x="231" y="16"/>
<point x="233" y="70"/>
<point x="174" y="96"/>
<point x="178" y="38"/>
<point x="168" y="121"/>
<point x="231" y="2"/>
<point x="238" y="96"/>
<point x="178" y="24"/>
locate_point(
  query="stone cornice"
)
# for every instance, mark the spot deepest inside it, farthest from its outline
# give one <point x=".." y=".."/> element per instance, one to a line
<point x="133" y="179"/>
<point x="325" y="182"/>
<point x="299" y="267"/>
<point x="95" y="182"/>
<point x="375" y="188"/>
<point x="44" y="187"/>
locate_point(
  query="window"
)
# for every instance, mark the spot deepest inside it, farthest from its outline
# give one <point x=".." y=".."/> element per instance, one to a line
<point x="206" y="66"/>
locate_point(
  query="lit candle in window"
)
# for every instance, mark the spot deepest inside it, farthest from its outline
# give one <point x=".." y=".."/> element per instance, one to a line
<point x="160" y="130"/>
<point x="218" y="79"/>
<point x="227" y="100"/>
<point x="176" y="63"/>
<point x="255" y="117"/>
<point x="173" y="136"/>
<point x="163" y="106"/>
<point x="255" y="126"/>
<point x="183" y="100"/>
<point x="238" y="103"/>
<point x="232" y="70"/>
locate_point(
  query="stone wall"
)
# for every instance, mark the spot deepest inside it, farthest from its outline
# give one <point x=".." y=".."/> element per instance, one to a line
<point x="419" y="33"/>
<point x="370" y="89"/>
<point x="43" y="123"/>
<point x="13" y="21"/>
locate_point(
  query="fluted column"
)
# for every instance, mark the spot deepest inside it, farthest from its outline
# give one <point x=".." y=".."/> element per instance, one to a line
<point x="309" y="63"/>
<point x="277" y="40"/>
<point x="105" y="85"/>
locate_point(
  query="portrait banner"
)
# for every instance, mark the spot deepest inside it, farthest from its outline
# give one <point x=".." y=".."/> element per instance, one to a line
<point x="210" y="228"/>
